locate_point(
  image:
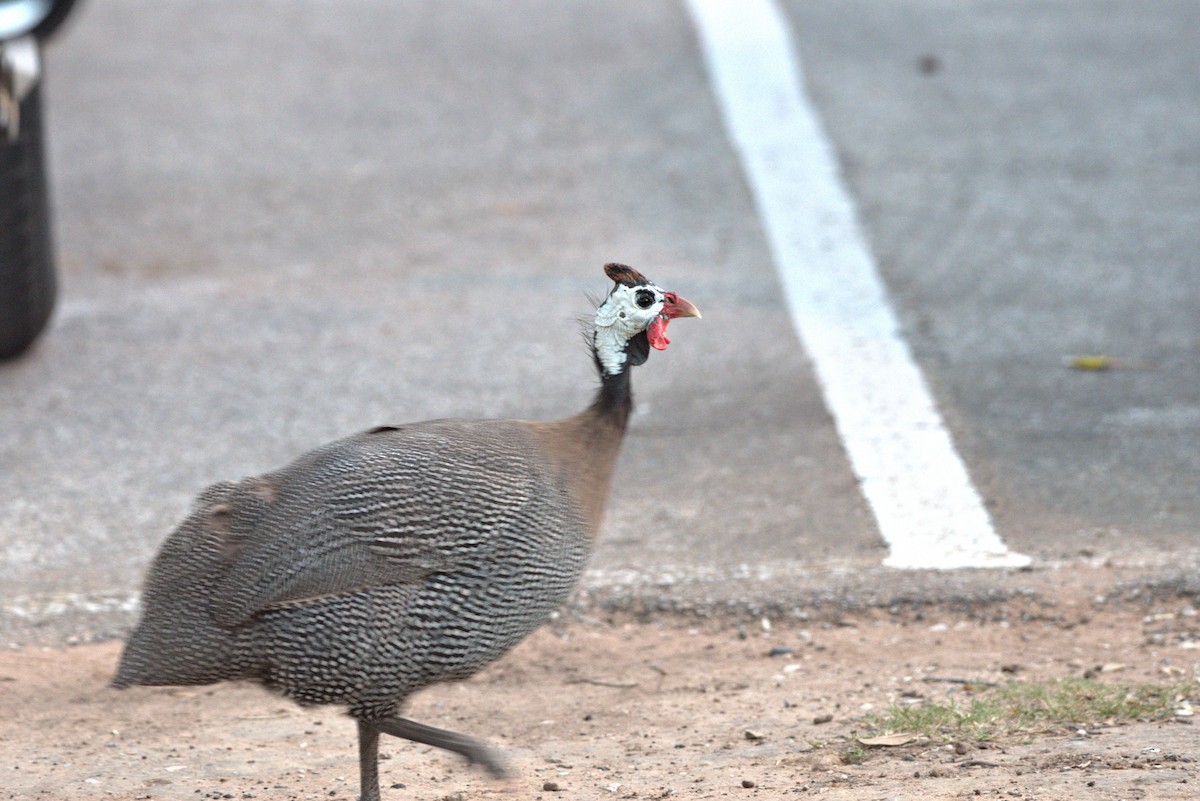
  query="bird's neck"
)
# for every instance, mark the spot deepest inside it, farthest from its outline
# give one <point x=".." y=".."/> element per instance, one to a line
<point x="616" y="351"/>
<point x="585" y="446"/>
<point x="614" y="400"/>
<point x="610" y="343"/>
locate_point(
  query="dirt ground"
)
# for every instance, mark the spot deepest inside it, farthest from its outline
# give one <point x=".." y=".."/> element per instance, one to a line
<point x="618" y="709"/>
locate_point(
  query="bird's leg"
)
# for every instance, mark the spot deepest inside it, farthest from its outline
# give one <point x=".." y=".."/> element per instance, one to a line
<point x="368" y="761"/>
<point x="476" y="751"/>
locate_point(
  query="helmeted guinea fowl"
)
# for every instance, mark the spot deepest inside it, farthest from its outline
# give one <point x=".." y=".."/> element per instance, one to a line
<point x="399" y="557"/>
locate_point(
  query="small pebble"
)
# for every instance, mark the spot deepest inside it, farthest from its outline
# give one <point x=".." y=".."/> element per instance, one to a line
<point x="550" y="787"/>
<point x="819" y="719"/>
<point x="747" y="783"/>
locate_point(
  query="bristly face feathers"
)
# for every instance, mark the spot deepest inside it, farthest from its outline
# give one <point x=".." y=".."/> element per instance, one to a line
<point x="635" y="305"/>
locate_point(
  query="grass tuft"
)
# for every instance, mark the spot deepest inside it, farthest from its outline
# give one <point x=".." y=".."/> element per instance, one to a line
<point x="1022" y="708"/>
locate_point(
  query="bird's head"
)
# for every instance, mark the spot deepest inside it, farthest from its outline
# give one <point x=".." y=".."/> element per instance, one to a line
<point x="633" y="319"/>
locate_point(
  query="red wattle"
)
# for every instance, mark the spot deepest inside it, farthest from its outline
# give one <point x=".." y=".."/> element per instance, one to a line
<point x="656" y="333"/>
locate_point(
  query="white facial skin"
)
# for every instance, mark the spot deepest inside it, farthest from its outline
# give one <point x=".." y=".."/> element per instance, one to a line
<point x="625" y="313"/>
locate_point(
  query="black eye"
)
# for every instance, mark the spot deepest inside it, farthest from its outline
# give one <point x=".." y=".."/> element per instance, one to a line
<point x="645" y="298"/>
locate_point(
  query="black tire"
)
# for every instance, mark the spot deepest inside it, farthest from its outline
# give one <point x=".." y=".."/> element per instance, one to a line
<point x="27" y="282"/>
<point x="58" y="14"/>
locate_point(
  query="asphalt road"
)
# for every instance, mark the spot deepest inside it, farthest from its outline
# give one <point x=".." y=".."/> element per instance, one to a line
<point x="283" y="222"/>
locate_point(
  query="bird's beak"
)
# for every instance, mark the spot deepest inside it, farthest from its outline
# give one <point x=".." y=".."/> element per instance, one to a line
<point x="673" y="306"/>
<point x="676" y="306"/>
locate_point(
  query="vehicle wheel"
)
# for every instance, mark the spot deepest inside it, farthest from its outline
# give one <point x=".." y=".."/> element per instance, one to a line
<point x="27" y="281"/>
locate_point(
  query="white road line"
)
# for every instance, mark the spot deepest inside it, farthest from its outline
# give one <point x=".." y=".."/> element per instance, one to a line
<point x="928" y="512"/>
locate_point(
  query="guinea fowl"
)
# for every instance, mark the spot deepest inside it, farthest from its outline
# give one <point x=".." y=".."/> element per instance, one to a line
<point x="397" y="558"/>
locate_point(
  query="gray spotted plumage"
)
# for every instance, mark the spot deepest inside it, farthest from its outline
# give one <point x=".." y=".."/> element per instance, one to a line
<point x="382" y="563"/>
<point x="367" y="569"/>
